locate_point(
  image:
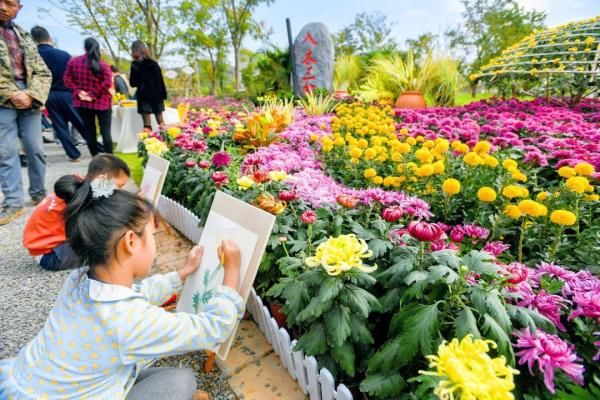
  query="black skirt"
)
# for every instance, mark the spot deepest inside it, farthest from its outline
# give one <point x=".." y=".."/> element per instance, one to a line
<point x="150" y="107"/>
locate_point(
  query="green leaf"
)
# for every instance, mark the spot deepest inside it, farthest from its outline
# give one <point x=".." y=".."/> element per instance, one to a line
<point x="416" y="276"/>
<point x="441" y="271"/>
<point x="337" y="322"/>
<point x="383" y="385"/>
<point x="358" y="300"/>
<point x="446" y="257"/>
<point x="314" y="310"/>
<point x="531" y="318"/>
<point x="345" y="357"/>
<point x="496" y="333"/>
<point x="363" y="233"/>
<point x="390" y="300"/>
<point x="497" y="309"/>
<point x="478" y="296"/>
<point x="379" y="247"/>
<point x="296" y="297"/>
<point x="465" y="323"/>
<point x="330" y="289"/>
<point x="394" y="275"/>
<point x="314" y="341"/>
<point x="579" y="393"/>
<point x="480" y="262"/>
<point x="418" y="325"/>
<point x="360" y="331"/>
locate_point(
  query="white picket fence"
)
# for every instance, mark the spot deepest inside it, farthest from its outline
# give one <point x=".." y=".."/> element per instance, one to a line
<point x="317" y="383"/>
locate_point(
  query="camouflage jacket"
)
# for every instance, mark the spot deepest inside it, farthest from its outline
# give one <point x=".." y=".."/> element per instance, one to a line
<point x="38" y="75"/>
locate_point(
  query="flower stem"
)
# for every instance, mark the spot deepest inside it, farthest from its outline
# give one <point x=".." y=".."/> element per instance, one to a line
<point x="556" y="243"/>
<point x="421" y="258"/>
<point x="309" y="233"/>
<point x="521" y="239"/>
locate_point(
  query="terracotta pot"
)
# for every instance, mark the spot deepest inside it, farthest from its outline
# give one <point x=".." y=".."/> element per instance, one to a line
<point x="279" y="316"/>
<point x="411" y="99"/>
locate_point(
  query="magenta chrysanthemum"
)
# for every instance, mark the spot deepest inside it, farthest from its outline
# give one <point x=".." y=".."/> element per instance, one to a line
<point x="221" y="159"/>
<point x="549" y="353"/>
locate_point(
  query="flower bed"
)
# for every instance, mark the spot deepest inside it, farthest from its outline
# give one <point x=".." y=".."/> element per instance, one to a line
<point x="371" y="285"/>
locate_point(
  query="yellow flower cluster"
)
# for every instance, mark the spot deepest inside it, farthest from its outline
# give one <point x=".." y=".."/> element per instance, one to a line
<point x="468" y="372"/>
<point x="341" y="254"/>
<point x="563" y="217"/>
<point x="155" y="146"/>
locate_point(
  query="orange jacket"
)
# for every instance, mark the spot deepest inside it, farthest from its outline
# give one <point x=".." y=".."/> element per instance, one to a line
<point x="45" y="228"/>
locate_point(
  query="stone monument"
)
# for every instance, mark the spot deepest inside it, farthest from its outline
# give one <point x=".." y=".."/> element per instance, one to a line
<point x="314" y="59"/>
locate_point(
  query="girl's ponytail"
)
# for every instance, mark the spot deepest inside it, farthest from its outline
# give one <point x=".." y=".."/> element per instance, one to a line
<point x="66" y="187"/>
<point x="92" y="50"/>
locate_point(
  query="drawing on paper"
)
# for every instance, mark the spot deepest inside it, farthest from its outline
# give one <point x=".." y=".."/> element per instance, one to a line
<point x="199" y="299"/>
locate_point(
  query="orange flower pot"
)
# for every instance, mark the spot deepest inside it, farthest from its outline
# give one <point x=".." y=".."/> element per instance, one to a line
<point x="411" y="99"/>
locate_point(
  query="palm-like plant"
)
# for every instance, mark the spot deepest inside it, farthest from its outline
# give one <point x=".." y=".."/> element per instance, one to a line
<point x="315" y="105"/>
<point x="347" y="72"/>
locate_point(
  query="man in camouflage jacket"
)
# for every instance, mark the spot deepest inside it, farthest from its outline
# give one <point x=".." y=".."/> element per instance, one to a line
<point x="24" y="85"/>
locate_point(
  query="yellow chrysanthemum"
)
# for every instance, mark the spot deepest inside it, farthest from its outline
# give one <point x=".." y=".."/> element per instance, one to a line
<point x="423" y="155"/>
<point x="369" y="173"/>
<point x="509" y="164"/>
<point x="482" y="147"/>
<point x="577" y="184"/>
<point x="411" y="140"/>
<point x="355" y="152"/>
<point x="174" y="131"/>
<point x="563" y="217"/>
<point x="512" y="211"/>
<point x="451" y="186"/>
<point x="486" y="194"/>
<point x="378" y="180"/>
<point x="566" y="172"/>
<point x="491" y="161"/>
<point x="592" y="197"/>
<point x="277" y="176"/>
<point x="341" y="254"/>
<point x="424" y="170"/>
<point x="532" y="208"/>
<point x="513" y="191"/>
<point x="585" y="169"/>
<point x="370" y="153"/>
<point x="438" y="167"/>
<point x="519" y="176"/>
<point x="473" y="159"/>
<point x="468" y="372"/>
<point x="245" y="182"/>
<point x="542" y="196"/>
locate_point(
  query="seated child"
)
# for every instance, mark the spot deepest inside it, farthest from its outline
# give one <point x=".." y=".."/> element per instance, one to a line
<point x="104" y="330"/>
<point x="44" y="234"/>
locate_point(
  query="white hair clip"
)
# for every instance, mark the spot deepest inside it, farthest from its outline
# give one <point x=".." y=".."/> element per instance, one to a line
<point x="102" y="187"/>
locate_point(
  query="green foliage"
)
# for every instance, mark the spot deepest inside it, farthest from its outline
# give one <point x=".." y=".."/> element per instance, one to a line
<point x="347" y="72"/>
<point x="315" y="105"/>
<point x="332" y="314"/>
<point x="367" y="34"/>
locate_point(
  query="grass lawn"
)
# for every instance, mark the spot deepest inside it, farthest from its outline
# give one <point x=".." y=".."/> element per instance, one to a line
<point x="135" y="165"/>
<point x="465" y="97"/>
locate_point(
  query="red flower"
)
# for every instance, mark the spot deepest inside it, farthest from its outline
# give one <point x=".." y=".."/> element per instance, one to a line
<point x="189" y="163"/>
<point x="260" y="176"/>
<point x="393" y="213"/>
<point x="220" y="178"/>
<point x="288" y="195"/>
<point x="309" y="217"/>
<point x="221" y="159"/>
<point x="346" y="201"/>
<point x="203" y="164"/>
<point x="425" y="231"/>
<point x="517" y="273"/>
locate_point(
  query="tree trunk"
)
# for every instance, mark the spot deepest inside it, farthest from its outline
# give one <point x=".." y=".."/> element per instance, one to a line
<point x="473" y="89"/>
<point x="236" y="50"/>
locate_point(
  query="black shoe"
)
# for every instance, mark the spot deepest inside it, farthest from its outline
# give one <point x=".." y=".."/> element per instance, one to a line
<point x="23" y="159"/>
<point x="46" y="140"/>
<point x="37" y="199"/>
<point x="9" y="214"/>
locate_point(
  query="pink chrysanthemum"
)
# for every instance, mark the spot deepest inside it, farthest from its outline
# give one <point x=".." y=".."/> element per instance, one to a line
<point x="548" y="352"/>
<point x="588" y="305"/>
<point x="549" y="305"/>
<point x="496" y="248"/>
<point x="221" y="159"/>
<point x="471" y="231"/>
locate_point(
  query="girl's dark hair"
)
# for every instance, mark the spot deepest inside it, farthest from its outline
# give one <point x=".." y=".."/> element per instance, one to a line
<point x="92" y="50"/>
<point x="95" y="225"/>
<point x="141" y="47"/>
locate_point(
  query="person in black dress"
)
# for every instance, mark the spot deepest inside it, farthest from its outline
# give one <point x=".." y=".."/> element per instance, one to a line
<point x="146" y="76"/>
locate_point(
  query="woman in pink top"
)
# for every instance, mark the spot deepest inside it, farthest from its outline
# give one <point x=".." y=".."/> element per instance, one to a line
<point x="90" y="79"/>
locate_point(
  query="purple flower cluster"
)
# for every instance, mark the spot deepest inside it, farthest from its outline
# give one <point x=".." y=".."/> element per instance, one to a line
<point x="545" y="132"/>
<point x="474" y="233"/>
<point x="213" y="102"/>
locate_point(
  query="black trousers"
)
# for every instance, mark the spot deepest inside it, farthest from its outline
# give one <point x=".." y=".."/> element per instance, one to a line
<point x="61" y="111"/>
<point x="90" y="132"/>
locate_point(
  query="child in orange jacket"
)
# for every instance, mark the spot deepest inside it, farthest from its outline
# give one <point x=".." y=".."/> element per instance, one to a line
<point x="44" y="235"/>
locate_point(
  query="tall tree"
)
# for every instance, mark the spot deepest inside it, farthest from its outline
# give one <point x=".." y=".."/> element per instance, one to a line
<point x="488" y="27"/>
<point x="205" y="35"/>
<point x="116" y="23"/>
<point x="422" y="45"/>
<point x="367" y="34"/>
<point x="240" y="24"/>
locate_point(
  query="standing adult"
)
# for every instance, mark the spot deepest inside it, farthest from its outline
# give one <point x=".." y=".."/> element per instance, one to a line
<point x="60" y="103"/>
<point x="90" y="79"/>
<point x="146" y="76"/>
<point x="24" y="85"/>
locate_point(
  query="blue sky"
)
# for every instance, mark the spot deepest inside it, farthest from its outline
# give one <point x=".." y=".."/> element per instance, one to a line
<point x="410" y="17"/>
